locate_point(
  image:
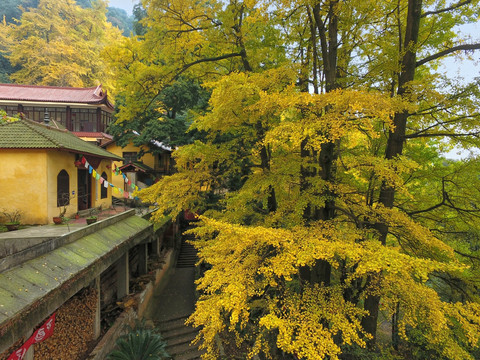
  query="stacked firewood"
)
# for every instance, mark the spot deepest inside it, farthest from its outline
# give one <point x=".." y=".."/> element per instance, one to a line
<point x="73" y="334"/>
<point x="5" y="355"/>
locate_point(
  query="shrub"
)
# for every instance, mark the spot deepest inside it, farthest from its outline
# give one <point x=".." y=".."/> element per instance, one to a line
<point x="140" y="343"/>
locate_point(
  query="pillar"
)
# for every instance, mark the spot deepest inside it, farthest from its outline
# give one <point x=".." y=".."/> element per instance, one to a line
<point x="156" y="243"/>
<point x="29" y="355"/>
<point x="142" y="258"/>
<point x="123" y="276"/>
<point x="97" y="324"/>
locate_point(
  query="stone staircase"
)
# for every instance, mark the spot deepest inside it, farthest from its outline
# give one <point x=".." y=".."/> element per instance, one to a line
<point x="188" y="254"/>
<point x="179" y="337"/>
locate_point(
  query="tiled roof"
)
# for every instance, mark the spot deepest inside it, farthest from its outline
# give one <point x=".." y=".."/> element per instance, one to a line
<point x="92" y="95"/>
<point x="136" y="165"/>
<point x="26" y="134"/>
<point x="95" y="135"/>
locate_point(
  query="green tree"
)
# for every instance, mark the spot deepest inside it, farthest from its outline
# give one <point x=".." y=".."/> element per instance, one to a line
<point x="167" y="120"/>
<point x="120" y="19"/>
<point x="139" y="13"/>
<point x="13" y="9"/>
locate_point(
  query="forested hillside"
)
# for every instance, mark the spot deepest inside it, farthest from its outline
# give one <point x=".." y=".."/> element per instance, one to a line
<point x="12" y="12"/>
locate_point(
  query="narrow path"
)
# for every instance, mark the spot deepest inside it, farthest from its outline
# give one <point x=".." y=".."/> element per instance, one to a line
<point x="173" y="303"/>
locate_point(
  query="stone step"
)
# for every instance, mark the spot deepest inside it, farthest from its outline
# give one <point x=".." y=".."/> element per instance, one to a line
<point x="182" y="331"/>
<point x="188" y="256"/>
<point x="171" y="324"/>
<point x="182" y="339"/>
<point x="181" y="348"/>
<point x="190" y="355"/>
<point x="185" y="265"/>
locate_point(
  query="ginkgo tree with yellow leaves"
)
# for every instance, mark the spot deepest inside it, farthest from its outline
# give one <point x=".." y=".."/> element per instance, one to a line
<point x="59" y="43"/>
<point x="325" y="198"/>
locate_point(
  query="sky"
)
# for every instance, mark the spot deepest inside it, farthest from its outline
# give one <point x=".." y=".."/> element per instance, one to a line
<point x="126" y="5"/>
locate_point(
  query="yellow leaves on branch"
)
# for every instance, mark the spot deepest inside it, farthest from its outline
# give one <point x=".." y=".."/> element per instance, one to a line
<point x="300" y="318"/>
<point x="448" y="328"/>
<point x="249" y="263"/>
<point x="269" y="98"/>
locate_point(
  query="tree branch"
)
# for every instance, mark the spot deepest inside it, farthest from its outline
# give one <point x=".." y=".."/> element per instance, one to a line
<point x="467" y="255"/>
<point x="216" y="58"/>
<point x="446" y="52"/>
<point x="453" y="7"/>
<point x="418" y="135"/>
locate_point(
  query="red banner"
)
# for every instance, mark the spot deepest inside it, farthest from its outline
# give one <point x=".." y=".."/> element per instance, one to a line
<point x="45" y="331"/>
<point x="42" y="333"/>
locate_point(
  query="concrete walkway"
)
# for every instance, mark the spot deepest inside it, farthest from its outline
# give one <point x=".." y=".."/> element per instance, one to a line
<point x="175" y="299"/>
<point x="52" y="231"/>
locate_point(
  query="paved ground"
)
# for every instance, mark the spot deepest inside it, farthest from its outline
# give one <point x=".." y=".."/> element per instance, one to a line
<point x="52" y="230"/>
<point x="175" y="299"/>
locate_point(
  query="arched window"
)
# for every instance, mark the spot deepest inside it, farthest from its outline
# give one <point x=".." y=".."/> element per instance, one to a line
<point x="104" y="190"/>
<point x="63" y="188"/>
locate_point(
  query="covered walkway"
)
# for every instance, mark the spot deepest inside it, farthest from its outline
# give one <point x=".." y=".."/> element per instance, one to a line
<point x="42" y="267"/>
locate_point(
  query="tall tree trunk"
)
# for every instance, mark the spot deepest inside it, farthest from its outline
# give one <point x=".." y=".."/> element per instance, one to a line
<point x="321" y="271"/>
<point x="395" y="144"/>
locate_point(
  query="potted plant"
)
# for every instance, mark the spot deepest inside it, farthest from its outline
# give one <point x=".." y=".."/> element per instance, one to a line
<point x="13" y="218"/>
<point x="63" y="202"/>
<point x="59" y="219"/>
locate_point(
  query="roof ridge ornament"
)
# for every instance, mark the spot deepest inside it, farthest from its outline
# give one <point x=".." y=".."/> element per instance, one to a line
<point x="98" y="91"/>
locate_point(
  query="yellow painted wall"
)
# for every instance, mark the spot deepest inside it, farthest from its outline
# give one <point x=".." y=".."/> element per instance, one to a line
<point x="24" y="184"/>
<point x="148" y="159"/>
<point x="105" y="166"/>
<point x="29" y="184"/>
<point x="57" y="161"/>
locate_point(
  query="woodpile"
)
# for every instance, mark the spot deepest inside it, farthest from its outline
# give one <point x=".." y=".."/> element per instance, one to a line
<point x="12" y="348"/>
<point x="73" y="335"/>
